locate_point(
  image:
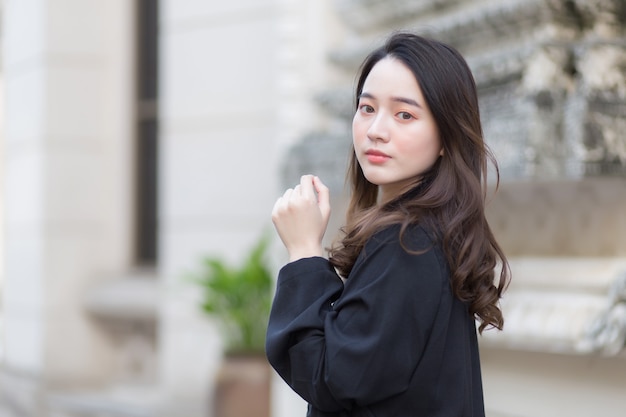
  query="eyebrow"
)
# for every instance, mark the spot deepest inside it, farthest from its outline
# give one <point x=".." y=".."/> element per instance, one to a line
<point x="405" y="100"/>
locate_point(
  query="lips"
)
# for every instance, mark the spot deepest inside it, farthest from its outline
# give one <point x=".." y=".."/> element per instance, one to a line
<point x="376" y="157"/>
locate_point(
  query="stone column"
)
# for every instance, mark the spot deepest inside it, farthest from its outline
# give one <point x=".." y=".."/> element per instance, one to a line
<point x="67" y="68"/>
<point x="218" y="116"/>
<point x="235" y="91"/>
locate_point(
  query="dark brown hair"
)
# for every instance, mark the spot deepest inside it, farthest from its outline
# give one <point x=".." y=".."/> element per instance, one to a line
<point x="450" y="198"/>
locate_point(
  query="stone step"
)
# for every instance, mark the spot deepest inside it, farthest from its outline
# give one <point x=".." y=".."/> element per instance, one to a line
<point x="570" y="306"/>
<point x="120" y="401"/>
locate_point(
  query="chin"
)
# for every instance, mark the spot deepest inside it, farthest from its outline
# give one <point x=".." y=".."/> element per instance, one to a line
<point x="373" y="180"/>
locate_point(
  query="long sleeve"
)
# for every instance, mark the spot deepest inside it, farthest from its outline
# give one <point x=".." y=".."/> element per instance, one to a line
<point x="344" y="347"/>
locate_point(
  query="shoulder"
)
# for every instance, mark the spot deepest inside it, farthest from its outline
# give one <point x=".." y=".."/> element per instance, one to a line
<point x="409" y="264"/>
<point x="409" y="248"/>
<point x="413" y="238"/>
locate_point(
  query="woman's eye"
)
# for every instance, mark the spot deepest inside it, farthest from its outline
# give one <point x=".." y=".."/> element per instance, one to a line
<point x="367" y="108"/>
<point x="405" y="116"/>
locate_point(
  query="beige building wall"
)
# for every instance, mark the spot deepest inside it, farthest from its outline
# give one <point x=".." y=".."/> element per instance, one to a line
<point x="236" y="87"/>
<point x="237" y="82"/>
<point x="67" y="74"/>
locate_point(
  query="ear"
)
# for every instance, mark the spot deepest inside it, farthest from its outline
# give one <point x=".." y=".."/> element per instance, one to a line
<point x="441" y="152"/>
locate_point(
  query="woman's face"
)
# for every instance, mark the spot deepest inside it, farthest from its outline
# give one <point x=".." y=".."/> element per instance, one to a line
<point x="394" y="134"/>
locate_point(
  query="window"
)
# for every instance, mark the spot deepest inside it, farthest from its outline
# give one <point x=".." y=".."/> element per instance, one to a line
<point x="146" y="148"/>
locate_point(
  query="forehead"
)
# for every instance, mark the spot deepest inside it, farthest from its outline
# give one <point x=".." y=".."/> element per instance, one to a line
<point x="391" y="76"/>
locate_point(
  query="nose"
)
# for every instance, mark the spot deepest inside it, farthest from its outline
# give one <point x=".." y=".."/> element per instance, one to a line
<point x="379" y="128"/>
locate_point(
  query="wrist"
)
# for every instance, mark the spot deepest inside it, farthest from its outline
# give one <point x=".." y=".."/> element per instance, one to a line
<point x="301" y="253"/>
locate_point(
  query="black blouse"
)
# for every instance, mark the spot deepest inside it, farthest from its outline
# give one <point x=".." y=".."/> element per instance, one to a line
<point x="393" y="341"/>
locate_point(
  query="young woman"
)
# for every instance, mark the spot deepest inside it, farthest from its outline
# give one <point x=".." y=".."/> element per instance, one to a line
<point x="386" y="326"/>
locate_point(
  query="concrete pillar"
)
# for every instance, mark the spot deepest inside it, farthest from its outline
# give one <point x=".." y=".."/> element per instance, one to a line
<point x="235" y="81"/>
<point x="218" y="169"/>
<point x="68" y="80"/>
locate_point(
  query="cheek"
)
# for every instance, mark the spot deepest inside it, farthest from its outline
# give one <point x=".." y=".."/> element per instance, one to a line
<point x="359" y="130"/>
<point x="427" y="148"/>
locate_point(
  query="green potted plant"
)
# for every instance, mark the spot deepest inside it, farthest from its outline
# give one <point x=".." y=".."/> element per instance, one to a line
<point x="240" y="297"/>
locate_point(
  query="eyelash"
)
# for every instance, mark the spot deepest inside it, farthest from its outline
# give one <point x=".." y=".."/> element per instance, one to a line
<point x="366" y="108"/>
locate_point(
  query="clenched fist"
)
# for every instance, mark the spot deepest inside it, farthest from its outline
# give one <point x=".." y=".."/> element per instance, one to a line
<point x="301" y="217"/>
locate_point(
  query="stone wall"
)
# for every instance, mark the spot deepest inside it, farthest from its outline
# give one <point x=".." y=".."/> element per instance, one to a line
<point x="550" y="76"/>
<point x="561" y="218"/>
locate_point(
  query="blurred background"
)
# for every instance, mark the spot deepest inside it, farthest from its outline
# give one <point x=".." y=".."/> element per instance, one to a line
<point x="139" y="136"/>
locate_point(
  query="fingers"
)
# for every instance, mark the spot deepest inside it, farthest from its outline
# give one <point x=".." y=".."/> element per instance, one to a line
<point x="321" y="188"/>
<point x="310" y="189"/>
<point x="282" y="203"/>
<point x="323" y="195"/>
<point x="306" y="187"/>
<point x="301" y="216"/>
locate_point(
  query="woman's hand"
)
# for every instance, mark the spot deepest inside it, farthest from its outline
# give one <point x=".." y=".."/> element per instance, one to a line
<point x="301" y="216"/>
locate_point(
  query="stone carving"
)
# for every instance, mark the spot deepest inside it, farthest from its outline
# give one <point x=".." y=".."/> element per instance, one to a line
<point x="546" y="82"/>
<point x="605" y="139"/>
<point x="603" y="71"/>
<point x="551" y="76"/>
<point x="365" y="14"/>
<point x="607" y="333"/>
<point x="547" y="70"/>
<point x="605" y="18"/>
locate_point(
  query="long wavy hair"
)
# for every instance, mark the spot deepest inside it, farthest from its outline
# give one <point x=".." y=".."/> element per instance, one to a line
<point x="450" y="198"/>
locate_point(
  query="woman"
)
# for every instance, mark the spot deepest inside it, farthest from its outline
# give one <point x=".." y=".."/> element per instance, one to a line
<point x="386" y="325"/>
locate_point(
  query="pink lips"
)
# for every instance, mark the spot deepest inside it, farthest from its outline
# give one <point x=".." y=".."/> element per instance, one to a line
<point x="376" y="157"/>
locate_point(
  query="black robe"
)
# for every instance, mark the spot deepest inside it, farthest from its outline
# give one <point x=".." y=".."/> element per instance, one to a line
<point x="393" y="341"/>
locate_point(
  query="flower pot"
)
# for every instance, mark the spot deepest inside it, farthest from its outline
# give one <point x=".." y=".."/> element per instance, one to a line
<point x="243" y="387"/>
